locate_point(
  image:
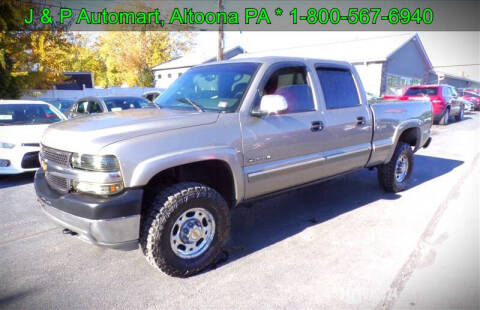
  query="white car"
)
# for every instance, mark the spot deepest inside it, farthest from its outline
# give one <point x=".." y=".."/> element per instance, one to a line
<point x="22" y="123"/>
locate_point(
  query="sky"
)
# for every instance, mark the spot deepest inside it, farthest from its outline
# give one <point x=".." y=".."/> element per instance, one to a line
<point x="451" y="52"/>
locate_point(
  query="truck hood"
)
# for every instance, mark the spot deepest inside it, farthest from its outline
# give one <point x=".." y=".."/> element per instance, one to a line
<point x="18" y="134"/>
<point x="90" y="134"/>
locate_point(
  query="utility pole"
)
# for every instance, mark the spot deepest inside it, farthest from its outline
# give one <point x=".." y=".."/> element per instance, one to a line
<point x="220" y="33"/>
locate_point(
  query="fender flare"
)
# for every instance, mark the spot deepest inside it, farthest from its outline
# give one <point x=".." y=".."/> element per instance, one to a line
<point x="147" y="169"/>
<point x="401" y="128"/>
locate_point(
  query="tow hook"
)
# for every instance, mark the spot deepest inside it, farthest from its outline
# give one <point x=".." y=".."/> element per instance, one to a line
<point x="69" y="232"/>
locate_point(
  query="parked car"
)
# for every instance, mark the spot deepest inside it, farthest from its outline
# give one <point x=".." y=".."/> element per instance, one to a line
<point x="93" y="105"/>
<point x="226" y="133"/>
<point x="444" y="99"/>
<point x="471" y="96"/>
<point x="469" y="106"/>
<point x="60" y="103"/>
<point x="22" y="123"/>
<point x="152" y="95"/>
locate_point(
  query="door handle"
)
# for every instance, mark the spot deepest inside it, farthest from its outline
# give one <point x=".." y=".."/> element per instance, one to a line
<point x="360" y="120"/>
<point x="316" y="126"/>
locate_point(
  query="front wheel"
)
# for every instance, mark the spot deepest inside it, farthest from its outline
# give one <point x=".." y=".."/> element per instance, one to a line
<point x="395" y="175"/>
<point x="185" y="229"/>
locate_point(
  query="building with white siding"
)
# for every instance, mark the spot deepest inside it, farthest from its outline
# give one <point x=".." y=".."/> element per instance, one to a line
<point x="167" y="72"/>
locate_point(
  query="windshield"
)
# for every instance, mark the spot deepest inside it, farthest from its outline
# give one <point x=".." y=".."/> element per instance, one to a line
<point x="62" y="104"/>
<point x="125" y="103"/>
<point x="211" y="88"/>
<point x="27" y="114"/>
<point x="422" y="91"/>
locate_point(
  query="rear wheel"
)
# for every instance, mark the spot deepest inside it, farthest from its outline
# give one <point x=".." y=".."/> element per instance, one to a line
<point x="185" y="229"/>
<point x="445" y="117"/>
<point x="459" y="117"/>
<point x="395" y="175"/>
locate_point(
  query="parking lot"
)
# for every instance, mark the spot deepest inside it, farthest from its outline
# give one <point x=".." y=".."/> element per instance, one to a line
<point x="340" y="244"/>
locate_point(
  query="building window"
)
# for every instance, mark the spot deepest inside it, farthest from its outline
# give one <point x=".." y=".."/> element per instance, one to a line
<point x="396" y="84"/>
<point x="179" y="74"/>
<point x="169" y="75"/>
<point x="159" y="76"/>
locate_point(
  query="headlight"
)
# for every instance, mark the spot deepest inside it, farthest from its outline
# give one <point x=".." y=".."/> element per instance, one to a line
<point x="96" y="188"/>
<point x="95" y="162"/>
<point x="5" y="145"/>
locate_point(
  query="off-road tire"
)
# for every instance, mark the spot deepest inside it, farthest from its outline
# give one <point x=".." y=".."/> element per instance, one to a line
<point x="158" y="220"/>
<point x="386" y="172"/>
<point x="459" y="117"/>
<point x="445" y="117"/>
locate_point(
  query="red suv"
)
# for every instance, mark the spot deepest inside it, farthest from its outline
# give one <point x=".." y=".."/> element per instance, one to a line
<point x="444" y="99"/>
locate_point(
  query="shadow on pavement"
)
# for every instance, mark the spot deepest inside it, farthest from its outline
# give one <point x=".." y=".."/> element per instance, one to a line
<point x="7" y="301"/>
<point x="16" y="179"/>
<point x="271" y="221"/>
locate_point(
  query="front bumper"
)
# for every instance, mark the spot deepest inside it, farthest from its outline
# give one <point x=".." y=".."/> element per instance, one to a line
<point x="20" y="160"/>
<point x="112" y="222"/>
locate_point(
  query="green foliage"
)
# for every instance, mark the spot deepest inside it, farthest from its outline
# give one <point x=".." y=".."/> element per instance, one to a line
<point x="29" y="58"/>
<point x="32" y="59"/>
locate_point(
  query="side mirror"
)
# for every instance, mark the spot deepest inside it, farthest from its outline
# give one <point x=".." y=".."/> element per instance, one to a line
<point x="271" y="104"/>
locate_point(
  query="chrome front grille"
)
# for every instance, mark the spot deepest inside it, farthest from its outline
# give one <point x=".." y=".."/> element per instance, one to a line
<point x="58" y="183"/>
<point x="55" y="156"/>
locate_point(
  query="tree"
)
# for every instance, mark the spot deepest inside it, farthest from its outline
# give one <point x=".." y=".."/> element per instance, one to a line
<point x="130" y="55"/>
<point x="29" y="58"/>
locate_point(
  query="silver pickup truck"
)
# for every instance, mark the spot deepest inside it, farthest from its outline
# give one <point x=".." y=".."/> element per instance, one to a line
<point x="226" y="133"/>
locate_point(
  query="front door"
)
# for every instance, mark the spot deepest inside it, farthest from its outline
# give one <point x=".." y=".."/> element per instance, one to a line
<point x="283" y="150"/>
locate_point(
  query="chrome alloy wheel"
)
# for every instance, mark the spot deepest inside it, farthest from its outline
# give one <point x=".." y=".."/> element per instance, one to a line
<point x="401" y="168"/>
<point x="192" y="233"/>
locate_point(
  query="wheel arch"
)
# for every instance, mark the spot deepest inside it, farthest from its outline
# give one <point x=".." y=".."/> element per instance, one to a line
<point x="408" y="132"/>
<point x="218" y="169"/>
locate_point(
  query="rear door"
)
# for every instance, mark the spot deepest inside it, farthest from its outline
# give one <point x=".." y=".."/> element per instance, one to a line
<point x="348" y="120"/>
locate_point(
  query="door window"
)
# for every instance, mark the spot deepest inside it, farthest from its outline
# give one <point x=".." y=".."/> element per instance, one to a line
<point x="291" y="83"/>
<point x="82" y="107"/>
<point x="94" y="107"/>
<point x="338" y="88"/>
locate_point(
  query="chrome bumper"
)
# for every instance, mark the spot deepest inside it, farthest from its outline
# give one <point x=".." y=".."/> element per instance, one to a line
<point x="118" y="233"/>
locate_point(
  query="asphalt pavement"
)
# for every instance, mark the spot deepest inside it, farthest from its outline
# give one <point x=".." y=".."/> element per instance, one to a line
<point x="343" y="244"/>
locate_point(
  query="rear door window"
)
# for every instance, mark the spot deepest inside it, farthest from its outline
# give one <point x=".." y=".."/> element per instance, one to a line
<point x="339" y="89"/>
<point x="422" y="91"/>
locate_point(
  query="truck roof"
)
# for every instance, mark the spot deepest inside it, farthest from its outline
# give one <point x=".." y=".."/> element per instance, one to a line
<point x="3" y="101"/>
<point x="274" y="59"/>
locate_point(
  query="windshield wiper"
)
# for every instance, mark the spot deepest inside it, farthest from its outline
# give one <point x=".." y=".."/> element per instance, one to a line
<point x="190" y="102"/>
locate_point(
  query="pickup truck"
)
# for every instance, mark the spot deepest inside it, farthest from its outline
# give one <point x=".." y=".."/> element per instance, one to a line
<point x="226" y="134"/>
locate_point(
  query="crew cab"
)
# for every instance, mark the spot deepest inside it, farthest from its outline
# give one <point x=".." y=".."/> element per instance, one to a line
<point x="226" y="134"/>
<point x="444" y="99"/>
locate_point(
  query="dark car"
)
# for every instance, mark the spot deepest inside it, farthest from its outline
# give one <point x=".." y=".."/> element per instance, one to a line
<point x="61" y="104"/>
<point x="90" y="105"/>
